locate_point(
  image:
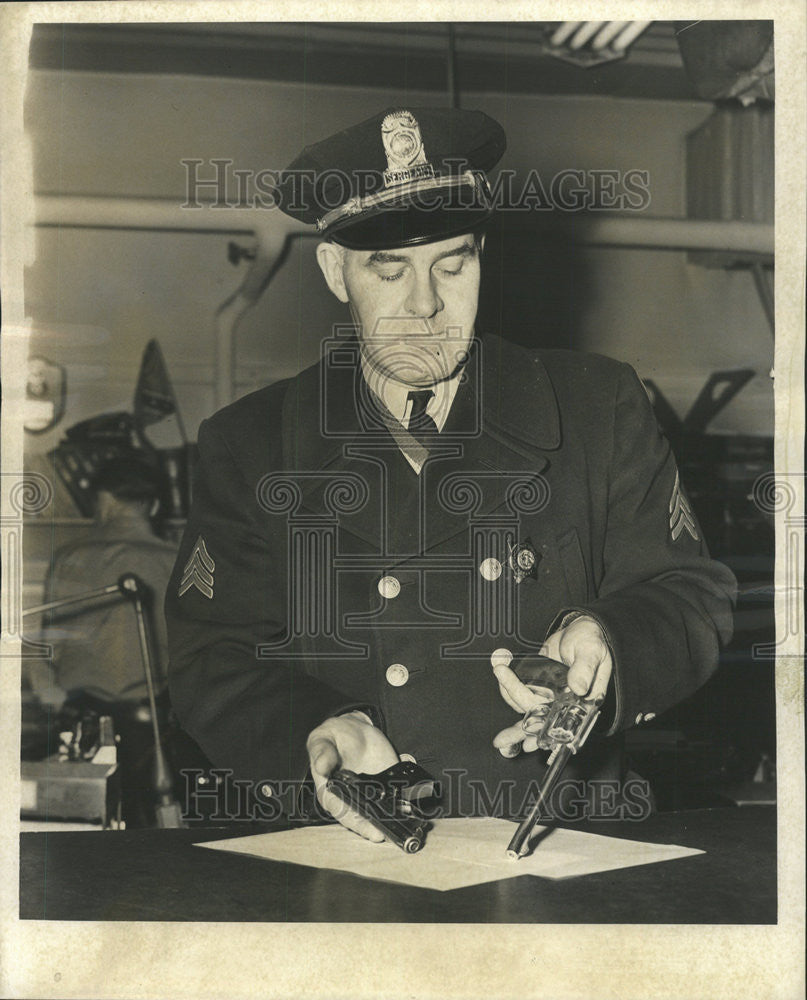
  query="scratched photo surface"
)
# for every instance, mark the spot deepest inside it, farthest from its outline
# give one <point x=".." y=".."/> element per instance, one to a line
<point x="398" y="422"/>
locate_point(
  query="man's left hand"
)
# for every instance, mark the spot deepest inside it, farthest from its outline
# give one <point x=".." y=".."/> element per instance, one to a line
<point x="582" y="646"/>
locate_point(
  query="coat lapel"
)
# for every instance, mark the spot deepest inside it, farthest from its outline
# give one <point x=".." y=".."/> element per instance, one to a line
<point x="329" y="419"/>
<point x="491" y="452"/>
<point x="513" y="413"/>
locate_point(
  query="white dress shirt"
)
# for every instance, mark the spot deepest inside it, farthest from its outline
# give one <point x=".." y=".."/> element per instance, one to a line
<point x="394" y="396"/>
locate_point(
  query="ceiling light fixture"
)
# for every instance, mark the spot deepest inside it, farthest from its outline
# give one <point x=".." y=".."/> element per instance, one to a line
<point x="591" y="43"/>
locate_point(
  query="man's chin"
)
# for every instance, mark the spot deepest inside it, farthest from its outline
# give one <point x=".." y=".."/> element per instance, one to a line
<point x="430" y="368"/>
<point x="418" y="380"/>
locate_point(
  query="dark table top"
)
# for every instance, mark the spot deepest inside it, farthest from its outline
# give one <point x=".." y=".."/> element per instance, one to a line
<point x="159" y="875"/>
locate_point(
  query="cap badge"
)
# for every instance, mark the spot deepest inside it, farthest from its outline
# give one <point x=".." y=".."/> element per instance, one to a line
<point x="198" y="571"/>
<point x="403" y="144"/>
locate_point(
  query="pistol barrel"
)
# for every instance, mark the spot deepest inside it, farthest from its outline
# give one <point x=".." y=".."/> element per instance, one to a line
<point x="519" y="845"/>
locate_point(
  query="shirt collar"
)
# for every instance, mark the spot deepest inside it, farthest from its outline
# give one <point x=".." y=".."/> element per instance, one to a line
<point x="394" y="395"/>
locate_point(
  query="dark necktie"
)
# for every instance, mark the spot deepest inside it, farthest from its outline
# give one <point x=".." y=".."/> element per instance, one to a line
<point x="421" y="425"/>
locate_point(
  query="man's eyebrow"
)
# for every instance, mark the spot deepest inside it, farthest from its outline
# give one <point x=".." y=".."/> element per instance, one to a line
<point x="385" y="257"/>
<point x="463" y="250"/>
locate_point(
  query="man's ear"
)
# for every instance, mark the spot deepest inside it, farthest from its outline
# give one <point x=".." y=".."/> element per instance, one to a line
<point x="330" y="258"/>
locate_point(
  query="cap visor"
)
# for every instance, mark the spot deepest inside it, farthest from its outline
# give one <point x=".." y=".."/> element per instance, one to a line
<point x="412" y="222"/>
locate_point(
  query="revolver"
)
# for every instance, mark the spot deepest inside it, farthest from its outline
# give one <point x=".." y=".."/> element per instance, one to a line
<point x="561" y="725"/>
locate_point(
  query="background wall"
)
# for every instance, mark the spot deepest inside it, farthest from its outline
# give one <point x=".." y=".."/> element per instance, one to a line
<point x="96" y="297"/>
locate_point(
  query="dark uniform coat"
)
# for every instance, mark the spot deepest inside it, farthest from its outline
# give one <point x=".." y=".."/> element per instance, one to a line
<point x="319" y="573"/>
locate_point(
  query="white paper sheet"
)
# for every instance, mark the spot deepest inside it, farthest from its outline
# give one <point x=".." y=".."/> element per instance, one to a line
<point x="457" y="853"/>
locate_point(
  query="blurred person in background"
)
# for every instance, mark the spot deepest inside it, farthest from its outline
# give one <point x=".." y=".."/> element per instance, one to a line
<point x="97" y="664"/>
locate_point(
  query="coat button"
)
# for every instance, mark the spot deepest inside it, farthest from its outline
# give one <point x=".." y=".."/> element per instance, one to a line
<point x="491" y="569"/>
<point x="501" y="657"/>
<point x="389" y="586"/>
<point x="397" y="675"/>
<point x="267" y="790"/>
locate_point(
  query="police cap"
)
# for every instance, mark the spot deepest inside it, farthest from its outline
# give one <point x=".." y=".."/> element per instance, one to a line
<point x="404" y="177"/>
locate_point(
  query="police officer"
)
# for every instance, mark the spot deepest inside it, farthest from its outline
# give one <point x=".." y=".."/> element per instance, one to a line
<point x="375" y="543"/>
<point x="97" y="662"/>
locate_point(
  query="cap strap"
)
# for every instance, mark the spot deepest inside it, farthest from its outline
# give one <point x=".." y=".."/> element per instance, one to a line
<point x="357" y="206"/>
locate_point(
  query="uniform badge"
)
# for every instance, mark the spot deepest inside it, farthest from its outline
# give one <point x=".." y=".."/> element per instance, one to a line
<point x="681" y="517"/>
<point x="523" y="560"/>
<point x="403" y="144"/>
<point x="198" y="571"/>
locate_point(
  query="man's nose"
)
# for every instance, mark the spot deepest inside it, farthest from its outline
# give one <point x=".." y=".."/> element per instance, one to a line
<point x="423" y="299"/>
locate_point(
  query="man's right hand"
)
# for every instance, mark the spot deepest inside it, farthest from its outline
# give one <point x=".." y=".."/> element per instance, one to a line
<point x="348" y="741"/>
